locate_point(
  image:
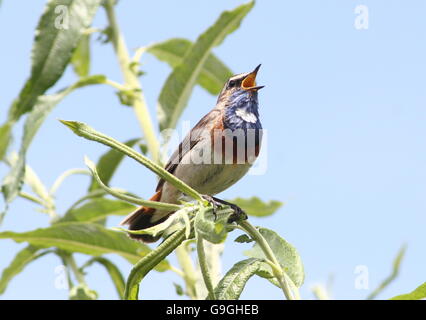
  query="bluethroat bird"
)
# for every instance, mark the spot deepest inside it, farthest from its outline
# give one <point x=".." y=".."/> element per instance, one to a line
<point x="216" y="153"/>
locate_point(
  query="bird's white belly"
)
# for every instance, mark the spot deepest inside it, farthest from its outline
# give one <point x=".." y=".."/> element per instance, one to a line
<point x="204" y="175"/>
<point x="212" y="178"/>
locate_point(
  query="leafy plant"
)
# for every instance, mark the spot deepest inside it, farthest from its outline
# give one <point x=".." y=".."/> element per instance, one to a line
<point x="82" y="227"/>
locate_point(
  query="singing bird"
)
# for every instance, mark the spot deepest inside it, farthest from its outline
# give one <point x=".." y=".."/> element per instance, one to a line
<point x="215" y="154"/>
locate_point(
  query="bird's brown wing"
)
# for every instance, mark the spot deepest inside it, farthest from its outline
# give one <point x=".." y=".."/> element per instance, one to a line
<point x="191" y="139"/>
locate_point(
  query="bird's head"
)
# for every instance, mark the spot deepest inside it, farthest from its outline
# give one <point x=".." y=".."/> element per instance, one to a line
<point x="243" y="84"/>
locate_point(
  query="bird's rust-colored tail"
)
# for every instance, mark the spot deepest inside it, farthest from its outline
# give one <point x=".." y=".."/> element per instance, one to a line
<point x="143" y="218"/>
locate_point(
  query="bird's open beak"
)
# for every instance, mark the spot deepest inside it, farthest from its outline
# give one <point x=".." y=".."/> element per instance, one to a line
<point x="249" y="82"/>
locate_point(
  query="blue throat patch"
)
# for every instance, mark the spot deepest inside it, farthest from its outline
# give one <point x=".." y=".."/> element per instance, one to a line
<point x="242" y="111"/>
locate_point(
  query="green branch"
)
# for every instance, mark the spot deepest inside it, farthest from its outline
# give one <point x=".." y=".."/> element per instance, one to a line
<point x="183" y="254"/>
<point x="132" y="81"/>
<point x="124" y="197"/>
<point x="83" y="130"/>
<point x="148" y="262"/>
<point x="395" y="271"/>
<point x="204" y="267"/>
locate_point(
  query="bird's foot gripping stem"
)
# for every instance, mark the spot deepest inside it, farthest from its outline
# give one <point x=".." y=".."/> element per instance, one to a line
<point x="238" y="213"/>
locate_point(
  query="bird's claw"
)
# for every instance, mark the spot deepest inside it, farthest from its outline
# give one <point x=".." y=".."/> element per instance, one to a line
<point x="237" y="215"/>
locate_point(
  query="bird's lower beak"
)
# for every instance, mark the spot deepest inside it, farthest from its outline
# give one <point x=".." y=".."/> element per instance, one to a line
<point x="249" y="83"/>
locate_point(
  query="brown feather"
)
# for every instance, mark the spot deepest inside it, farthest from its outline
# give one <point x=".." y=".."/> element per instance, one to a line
<point x="141" y="218"/>
<point x="191" y="139"/>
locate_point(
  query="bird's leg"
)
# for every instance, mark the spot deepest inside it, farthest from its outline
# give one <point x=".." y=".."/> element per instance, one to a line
<point x="238" y="213"/>
<point x="213" y="202"/>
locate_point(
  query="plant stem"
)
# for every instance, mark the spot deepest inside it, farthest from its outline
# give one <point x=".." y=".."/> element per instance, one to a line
<point x="70" y="261"/>
<point x="143" y="266"/>
<point x="31" y="197"/>
<point x="61" y="255"/>
<point x="185" y="262"/>
<point x="63" y="176"/>
<point x="177" y="271"/>
<point x="122" y="196"/>
<point x="204" y="267"/>
<point x="132" y="81"/>
<point x="89" y="133"/>
<point x="320" y="292"/>
<point x="115" y="85"/>
<point x="277" y="270"/>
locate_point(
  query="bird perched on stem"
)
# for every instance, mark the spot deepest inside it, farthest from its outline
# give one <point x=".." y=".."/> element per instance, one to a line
<point x="215" y="154"/>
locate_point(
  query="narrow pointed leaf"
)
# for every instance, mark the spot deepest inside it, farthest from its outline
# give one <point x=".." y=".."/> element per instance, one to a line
<point x="87" y="132"/>
<point x="233" y="283"/>
<point x="57" y="35"/>
<point x="91" y="239"/>
<point x="81" y="57"/>
<point x="114" y="273"/>
<point x="36" y="185"/>
<point x="255" y="207"/>
<point x="5" y="136"/>
<point x="394" y="274"/>
<point x="13" y="181"/>
<point x="125" y="196"/>
<point x="417" y="294"/>
<point x="97" y="209"/>
<point x="151" y="261"/>
<point x="213" y="74"/>
<point x="44" y="105"/>
<point x="21" y="260"/>
<point x="177" y="89"/>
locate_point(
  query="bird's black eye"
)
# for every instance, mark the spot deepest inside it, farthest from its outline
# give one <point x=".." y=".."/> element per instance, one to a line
<point x="232" y="83"/>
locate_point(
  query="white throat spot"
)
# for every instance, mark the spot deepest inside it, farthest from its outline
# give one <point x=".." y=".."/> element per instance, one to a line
<point x="245" y="115"/>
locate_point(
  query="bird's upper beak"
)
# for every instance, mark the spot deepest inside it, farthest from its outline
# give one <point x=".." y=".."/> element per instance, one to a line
<point x="249" y="82"/>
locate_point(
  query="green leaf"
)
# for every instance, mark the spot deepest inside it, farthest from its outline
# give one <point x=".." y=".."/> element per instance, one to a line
<point x="5" y="136"/>
<point x="179" y="290"/>
<point x="91" y="239"/>
<point x="89" y="80"/>
<point x="417" y="294"/>
<point x="85" y="131"/>
<point x="82" y="292"/>
<point x="108" y="163"/>
<point x="113" y="271"/>
<point x="177" y="89"/>
<point x="212" y="227"/>
<point x="287" y="256"/>
<point x="97" y="209"/>
<point x="214" y="73"/>
<point x="151" y="261"/>
<point x="122" y="195"/>
<point x="243" y="239"/>
<point x="255" y="207"/>
<point x="44" y="105"/>
<point x="395" y="271"/>
<point x="81" y="57"/>
<point x="233" y="283"/>
<point x="34" y="182"/>
<point x="180" y="218"/>
<point x="57" y="35"/>
<point x="21" y="260"/>
<point x="13" y="181"/>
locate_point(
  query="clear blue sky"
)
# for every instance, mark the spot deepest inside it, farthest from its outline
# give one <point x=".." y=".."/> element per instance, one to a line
<point x="345" y="111"/>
